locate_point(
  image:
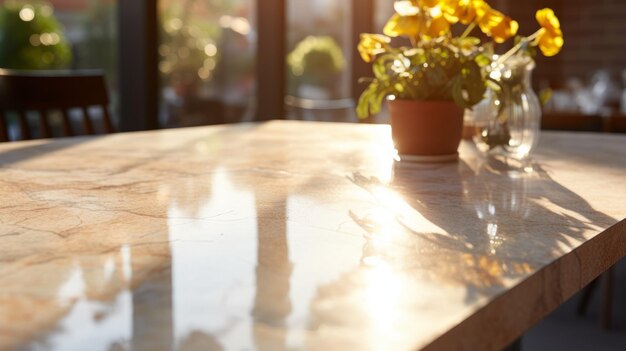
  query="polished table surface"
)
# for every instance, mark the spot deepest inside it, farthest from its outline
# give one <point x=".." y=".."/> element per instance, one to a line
<point x="296" y="235"/>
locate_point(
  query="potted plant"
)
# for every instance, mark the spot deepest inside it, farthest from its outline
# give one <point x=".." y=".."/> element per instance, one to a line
<point x="433" y="75"/>
<point x="31" y="38"/>
<point x="315" y="64"/>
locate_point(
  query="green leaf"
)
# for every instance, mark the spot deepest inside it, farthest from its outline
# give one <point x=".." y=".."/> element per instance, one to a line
<point x="380" y="71"/>
<point x="377" y="100"/>
<point x="473" y="83"/>
<point x="436" y="76"/>
<point x="482" y="60"/>
<point x="363" y="106"/>
<point x="493" y="85"/>
<point x="457" y="92"/>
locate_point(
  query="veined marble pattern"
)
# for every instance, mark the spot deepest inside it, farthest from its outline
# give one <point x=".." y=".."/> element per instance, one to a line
<point x="295" y="235"/>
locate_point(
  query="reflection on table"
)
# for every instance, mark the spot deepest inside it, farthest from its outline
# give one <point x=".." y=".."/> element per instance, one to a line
<point x="293" y="235"/>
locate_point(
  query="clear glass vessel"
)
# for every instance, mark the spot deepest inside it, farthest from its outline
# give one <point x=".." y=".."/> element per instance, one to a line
<point x="508" y="121"/>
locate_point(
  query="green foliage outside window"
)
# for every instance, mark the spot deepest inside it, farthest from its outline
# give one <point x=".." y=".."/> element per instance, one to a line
<point x="31" y="37"/>
<point x="316" y="58"/>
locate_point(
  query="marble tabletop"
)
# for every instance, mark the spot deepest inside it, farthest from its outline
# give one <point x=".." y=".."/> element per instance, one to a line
<point x="296" y="235"/>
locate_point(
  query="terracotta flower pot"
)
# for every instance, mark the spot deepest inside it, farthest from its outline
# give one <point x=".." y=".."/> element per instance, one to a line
<point x="427" y="129"/>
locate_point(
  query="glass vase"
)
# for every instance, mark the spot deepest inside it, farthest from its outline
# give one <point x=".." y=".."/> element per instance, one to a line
<point x="508" y="120"/>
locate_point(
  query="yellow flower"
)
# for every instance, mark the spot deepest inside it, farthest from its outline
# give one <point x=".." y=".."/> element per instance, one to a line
<point x="463" y="11"/>
<point x="412" y="7"/>
<point x="550" y="39"/>
<point x="429" y="3"/>
<point x="504" y="30"/>
<point x="406" y="7"/>
<point x="372" y="45"/>
<point x="433" y="25"/>
<point x="495" y="24"/>
<point x="403" y="25"/>
<point x="438" y="23"/>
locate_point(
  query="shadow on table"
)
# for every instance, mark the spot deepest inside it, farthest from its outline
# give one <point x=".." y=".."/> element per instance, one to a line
<point x="475" y="227"/>
<point x="17" y="152"/>
<point x="586" y="149"/>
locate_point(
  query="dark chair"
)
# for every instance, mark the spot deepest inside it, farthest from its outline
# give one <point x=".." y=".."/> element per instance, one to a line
<point x="618" y="124"/>
<point x="607" y="279"/>
<point x="574" y="122"/>
<point x="46" y="91"/>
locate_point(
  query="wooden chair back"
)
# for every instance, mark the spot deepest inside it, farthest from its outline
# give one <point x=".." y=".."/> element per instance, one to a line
<point x="574" y="122"/>
<point x="618" y="124"/>
<point x="46" y="91"/>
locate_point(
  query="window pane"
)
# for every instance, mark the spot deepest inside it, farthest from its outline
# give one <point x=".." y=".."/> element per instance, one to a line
<point x="61" y="34"/>
<point x="384" y="10"/>
<point x="91" y="28"/>
<point x="206" y="61"/>
<point x="318" y="61"/>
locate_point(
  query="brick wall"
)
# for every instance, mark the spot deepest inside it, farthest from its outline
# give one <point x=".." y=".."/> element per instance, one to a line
<point x="594" y="31"/>
<point x="597" y="36"/>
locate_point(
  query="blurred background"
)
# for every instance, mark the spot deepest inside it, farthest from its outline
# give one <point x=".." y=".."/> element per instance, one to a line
<point x="207" y="53"/>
